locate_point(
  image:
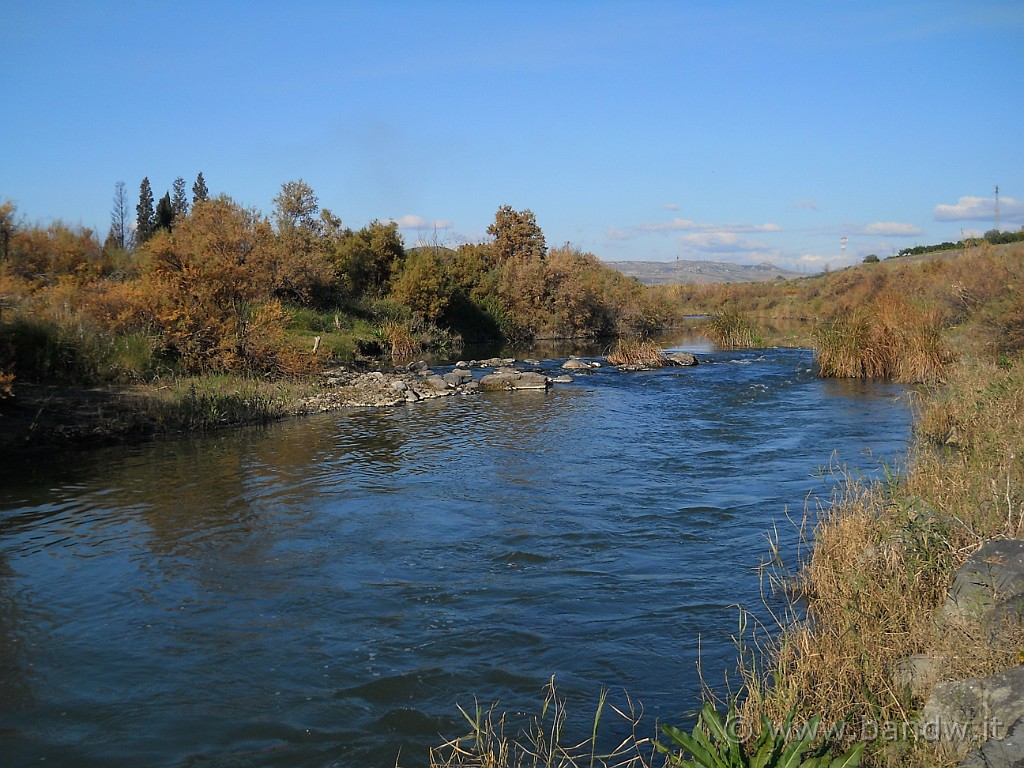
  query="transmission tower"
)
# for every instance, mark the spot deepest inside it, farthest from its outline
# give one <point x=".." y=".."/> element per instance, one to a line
<point x="997" y="207"/>
<point x="842" y="244"/>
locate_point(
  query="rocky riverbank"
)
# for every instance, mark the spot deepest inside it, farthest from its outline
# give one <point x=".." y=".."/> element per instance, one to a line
<point x="41" y="418"/>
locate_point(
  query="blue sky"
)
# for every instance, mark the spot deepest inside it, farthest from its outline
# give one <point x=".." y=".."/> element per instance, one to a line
<point x="728" y="131"/>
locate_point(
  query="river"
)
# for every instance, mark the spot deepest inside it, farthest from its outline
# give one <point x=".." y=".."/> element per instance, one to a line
<point x="325" y="590"/>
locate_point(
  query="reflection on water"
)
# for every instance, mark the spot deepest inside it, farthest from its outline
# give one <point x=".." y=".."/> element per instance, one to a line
<point x="324" y="591"/>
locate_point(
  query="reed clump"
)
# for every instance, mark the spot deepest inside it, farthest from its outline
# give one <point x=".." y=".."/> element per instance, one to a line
<point x="637" y="353"/>
<point x="731" y="329"/>
<point x="889" y="338"/>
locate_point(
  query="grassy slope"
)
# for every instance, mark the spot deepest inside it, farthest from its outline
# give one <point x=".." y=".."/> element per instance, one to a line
<point x="884" y="556"/>
<point x="881" y="560"/>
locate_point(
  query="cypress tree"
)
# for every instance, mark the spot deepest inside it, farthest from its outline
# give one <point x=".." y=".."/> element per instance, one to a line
<point x="199" y="190"/>
<point x="180" y="201"/>
<point x="165" y="212"/>
<point x="145" y="220"/>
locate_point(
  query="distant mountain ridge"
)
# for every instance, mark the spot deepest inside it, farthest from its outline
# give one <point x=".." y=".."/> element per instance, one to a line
<point x="703" y="272"/>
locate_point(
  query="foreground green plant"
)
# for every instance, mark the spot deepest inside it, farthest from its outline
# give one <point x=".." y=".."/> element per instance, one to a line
<point x="715" y="743"/>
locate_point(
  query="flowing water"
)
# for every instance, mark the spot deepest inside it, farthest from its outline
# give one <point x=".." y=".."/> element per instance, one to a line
<point x="324" y="591"/>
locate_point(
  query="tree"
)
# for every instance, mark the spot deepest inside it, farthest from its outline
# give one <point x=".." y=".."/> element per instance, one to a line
<point x="145" y="220"/>
<point x="165" y="213"/>
<point x="179" y="203"/>
<point x="214" y="281"/>
<point x="365" y="260"/>
<point x="871" y="259"/>
<point x="516" y="233"/>
<point x="7" y="226"/>
<point x="119" y="223"/>
<point x="296" y="208"/>
<point x="199" y="191"/>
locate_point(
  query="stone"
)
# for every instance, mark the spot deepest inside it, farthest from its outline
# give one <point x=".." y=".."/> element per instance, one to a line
<point x="565" y="378"/>
<point x="418" y="367"/>
<point x="1006" y="752"/>
<point x="511" y="379"/>
<point x="681" y="358"/>
<point x="399" y="386"/>
<point x="436" y="382"/>
<point x="917" y="673"/>
<point x="457" y="377"/>
<point x="574" y="364"/>
<point x="989" y="586"/>
<point x="964" y="713"/>
<point x="462" y="364"/>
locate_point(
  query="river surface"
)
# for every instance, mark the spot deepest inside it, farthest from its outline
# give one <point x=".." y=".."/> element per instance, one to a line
<point x="324" y="591"/>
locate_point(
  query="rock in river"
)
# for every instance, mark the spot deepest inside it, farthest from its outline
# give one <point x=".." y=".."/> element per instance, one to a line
<point x="509" y="379"/>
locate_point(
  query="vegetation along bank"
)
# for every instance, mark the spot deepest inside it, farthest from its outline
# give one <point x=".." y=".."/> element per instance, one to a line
<point x="898" y="648"/>
<point x="206" y="312"/>
<point x="198" y="312"/>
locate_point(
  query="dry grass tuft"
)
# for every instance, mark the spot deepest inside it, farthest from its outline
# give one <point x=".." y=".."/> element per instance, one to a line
<point x="637" y="353"/>
<point x="399" y="337"/>
<point x="541" y="740"/>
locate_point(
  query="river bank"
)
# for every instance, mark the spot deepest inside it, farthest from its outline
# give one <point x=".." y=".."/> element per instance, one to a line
<point x="43" y="418"/>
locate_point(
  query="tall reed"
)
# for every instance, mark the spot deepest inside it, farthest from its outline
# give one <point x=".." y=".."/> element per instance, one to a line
<point x="889" y="338"/>
<point x="731" y="329"/>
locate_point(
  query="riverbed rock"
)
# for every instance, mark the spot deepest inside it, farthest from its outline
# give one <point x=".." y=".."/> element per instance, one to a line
<point x="575" y="364"/>
<point x="990" y="586"/>
<point x="457" y="377"/>
<point x="565" y="378"/>
<point x="681" y="358"/>
<point x="436" y="382"/>
<point x="497" y="362"/>
<point x="399" y="386"/>
<point x="512" y="379"/>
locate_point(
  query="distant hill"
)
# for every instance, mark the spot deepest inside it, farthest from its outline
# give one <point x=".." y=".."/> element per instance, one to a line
<point x="678" y="272"/>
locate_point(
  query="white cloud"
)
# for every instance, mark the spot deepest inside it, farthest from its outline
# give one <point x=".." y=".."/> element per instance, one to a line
<point x="981" y="209"/>
<point x="670" y="207"/>
<point x="808" y="205"/>
<point x="721" y="242"/>
<point x="686" y="225"/>
<point x="890" y="229"/>
<point x="412" y="221"/>
<point x="813" y="259"/>
<point x="620" y="234"/>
